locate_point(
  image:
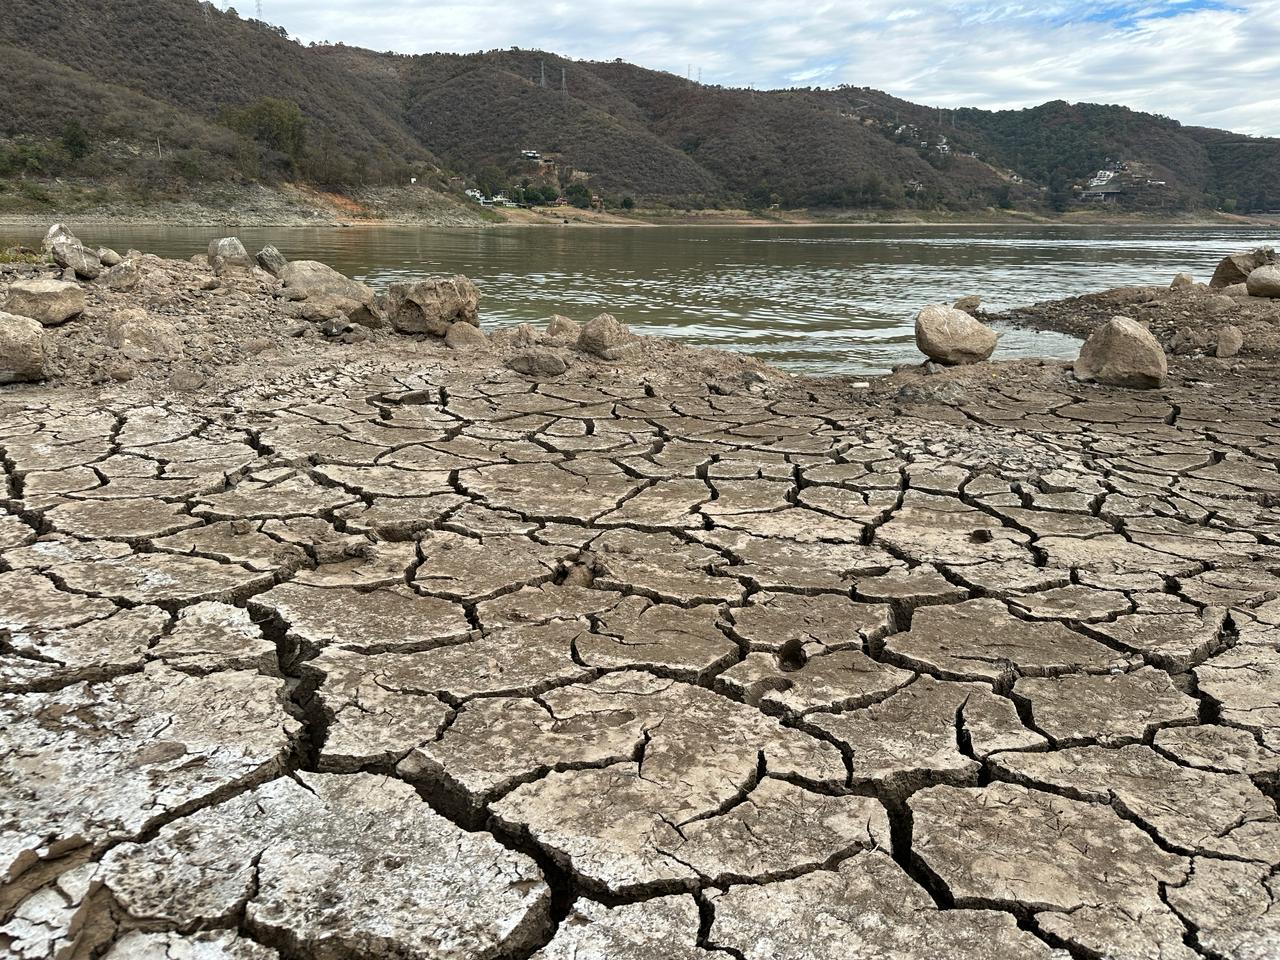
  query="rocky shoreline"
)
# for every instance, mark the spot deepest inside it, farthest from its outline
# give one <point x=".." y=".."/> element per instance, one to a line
<point x="332" y="625"/>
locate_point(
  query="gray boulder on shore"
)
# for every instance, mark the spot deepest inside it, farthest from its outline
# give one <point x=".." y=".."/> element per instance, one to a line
<point x="1230" y="342"/>
<point x="229" y="254"/>
<point x="21" y="349"/>
<point x="71" y="256"/>
<point x="952" y="337"/>
<point x="562" y="327"/>
<point x="1264" y="282"/>
<point x="1122" y="353"/>
<point x="51" y="302"/>
<point x="431" y="306"/>
<point x="605" y="338"/>
<point x="465" y="336"/>
<point x="538" y="362"/>
<point x="1236" y="267"/>
<point x="58" y="233"/>
<point x="272" y="260"/>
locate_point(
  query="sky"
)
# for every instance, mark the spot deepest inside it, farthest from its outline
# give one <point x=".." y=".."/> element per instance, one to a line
<point x="1199" y="61"/>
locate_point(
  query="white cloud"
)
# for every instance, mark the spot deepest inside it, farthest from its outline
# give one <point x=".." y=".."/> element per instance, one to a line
<point x="1200" y="62"/>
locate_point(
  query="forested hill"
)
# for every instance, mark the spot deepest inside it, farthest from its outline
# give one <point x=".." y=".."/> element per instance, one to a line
<point x="171" y="91"/>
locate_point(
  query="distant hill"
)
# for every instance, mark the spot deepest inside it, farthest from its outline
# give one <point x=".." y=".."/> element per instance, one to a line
<point x="173" y="91"/>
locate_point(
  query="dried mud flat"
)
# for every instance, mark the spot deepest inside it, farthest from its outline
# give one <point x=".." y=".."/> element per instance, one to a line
<point x="415" y="657"/>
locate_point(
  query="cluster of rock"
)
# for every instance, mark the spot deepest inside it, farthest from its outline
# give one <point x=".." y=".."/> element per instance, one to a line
<point x="1252" y="272"/>
<point x="227" y="305"/>
<point x="1120" y="351"/>
<point x="444" y="307"/>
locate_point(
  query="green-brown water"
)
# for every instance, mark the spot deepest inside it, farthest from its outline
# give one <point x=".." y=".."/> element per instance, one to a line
<point x="814" y="300"/>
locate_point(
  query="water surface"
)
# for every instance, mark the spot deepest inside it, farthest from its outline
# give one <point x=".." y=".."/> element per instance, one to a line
<point x="810" y="299"/>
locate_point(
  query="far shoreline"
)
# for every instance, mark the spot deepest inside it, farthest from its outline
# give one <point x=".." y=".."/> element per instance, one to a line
<point x="41" y="221"/>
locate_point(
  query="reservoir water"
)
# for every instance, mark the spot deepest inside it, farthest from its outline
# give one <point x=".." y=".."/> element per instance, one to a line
<point x="809" y="299"/>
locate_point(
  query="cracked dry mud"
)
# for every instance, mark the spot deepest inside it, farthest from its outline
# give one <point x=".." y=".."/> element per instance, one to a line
<point x="429" y="660"/>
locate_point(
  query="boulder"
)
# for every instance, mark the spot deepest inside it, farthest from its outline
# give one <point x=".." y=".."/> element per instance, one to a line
<point x="51" y="302"/>
<point x="563" y="327"/>
<point x="186" y="379"/>
<point x="71" y="256"/>
<point x="1183" y="281"/>
<point x="952" y="337"/>
<point x="465" y="336"/>
<point x="1123" y="353"/>
<point x="140" y="336"/>
<point x="1264" y="282"/>
<point x="229" y="255"/>
<point x="538" y="362"/>
<point x="272" y="260"/>
<point x="308" y="278"/>
<point x="605" y="337"/>
<point x="108" y="257"/>
<point x="58" y="233"/>
<point x="433" y="306"/>
<point x="123" y="276"/>
<point x="1236" y="267"/>
<point x="327" y="306"/>
<point x="21" y="349"/>
<point x="1236" y="290"/>
<point x="1230" y="341"/>
<point x="968" y="304"/>
<point x="524" y="335"/>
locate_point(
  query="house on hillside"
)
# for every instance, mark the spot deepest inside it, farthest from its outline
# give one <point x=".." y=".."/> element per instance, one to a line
<point x="530" y="155"/>
<point x="1103" y="193"/>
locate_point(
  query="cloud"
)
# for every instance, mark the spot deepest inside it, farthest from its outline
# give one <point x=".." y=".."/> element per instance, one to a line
<point x="1199" y="61"/>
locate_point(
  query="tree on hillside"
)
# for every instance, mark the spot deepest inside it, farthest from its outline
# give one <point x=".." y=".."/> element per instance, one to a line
<point x="490" y="180"/>
<point x="75" y="140"/>
<point x="278" y="125"/>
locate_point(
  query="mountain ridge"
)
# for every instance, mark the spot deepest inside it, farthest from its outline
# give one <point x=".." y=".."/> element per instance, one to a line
<point x="96" y="84"/>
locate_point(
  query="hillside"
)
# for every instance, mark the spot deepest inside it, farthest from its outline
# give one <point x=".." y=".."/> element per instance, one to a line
<point x="158" y="95"/>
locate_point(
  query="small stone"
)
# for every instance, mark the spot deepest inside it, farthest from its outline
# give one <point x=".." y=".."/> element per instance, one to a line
<point x="1230" y="341"/>
<point x="969" y="305"/>
<point x="465" y="336"/>
<point x="228" y="255"/>
<point x="952" y="337"/>
<point x="271" y="260"/>
<point x="51" y="302"/>
<point x="563" y="328"/>
<point x="1123" y="353"/>
<point x="538" y="362"/>
<point x="604" y="337"/>
<point x="21" y="349"/>
<point x="1264" y="282"/>
<point x="123" y="276"/>
<point x="143" y="336"/>
<point x="185" y="379"/>
<point x="58" y="233"/>
<point x="109" y="257"/>
<point x="1183" y="281"/>
<point x="73" y="257"/>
